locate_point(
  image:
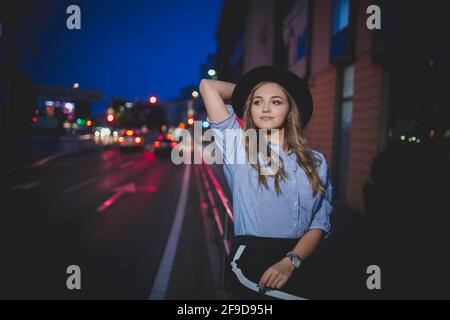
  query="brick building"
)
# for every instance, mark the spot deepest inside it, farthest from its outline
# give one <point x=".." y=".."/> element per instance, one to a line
<point x="366" y="84"/>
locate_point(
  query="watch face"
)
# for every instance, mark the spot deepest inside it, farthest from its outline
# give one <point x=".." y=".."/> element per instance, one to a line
<point x="296" y="262"/>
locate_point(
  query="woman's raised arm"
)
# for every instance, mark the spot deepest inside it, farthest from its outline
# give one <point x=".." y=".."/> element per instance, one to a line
<point x="214" y="94"/>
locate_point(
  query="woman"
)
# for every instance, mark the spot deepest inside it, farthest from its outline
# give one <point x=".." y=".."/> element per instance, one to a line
<point x="281" y="217"/>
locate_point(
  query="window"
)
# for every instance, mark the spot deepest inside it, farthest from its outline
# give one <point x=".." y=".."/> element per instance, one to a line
<point x="302" y="45"/>
<point x="341" y="15"/>
<point x="344" y="124"/>
<point x="341" y="38"/>
<point x="296" y="36"/>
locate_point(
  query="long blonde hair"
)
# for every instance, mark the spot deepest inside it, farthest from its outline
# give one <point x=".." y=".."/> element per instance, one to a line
<point x="294" y="139"/>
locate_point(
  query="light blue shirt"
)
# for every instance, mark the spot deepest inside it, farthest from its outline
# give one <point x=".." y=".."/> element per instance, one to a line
<point x="262" y="212"/>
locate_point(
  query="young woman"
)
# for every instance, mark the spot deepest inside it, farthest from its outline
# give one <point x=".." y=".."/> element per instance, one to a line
<point x="280" y="218"/>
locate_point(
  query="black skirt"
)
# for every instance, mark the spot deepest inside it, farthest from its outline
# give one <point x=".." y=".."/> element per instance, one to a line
<point x="250" y="257"/>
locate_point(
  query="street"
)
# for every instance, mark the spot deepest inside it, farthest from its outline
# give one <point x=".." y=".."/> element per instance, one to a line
<point x="140" y="227"/>
<point x="108" y="212"/>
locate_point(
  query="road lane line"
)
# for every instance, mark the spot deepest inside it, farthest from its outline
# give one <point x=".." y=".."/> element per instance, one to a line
<point x="108" y="203"/>
<point x="27" y="186"/>
<point x="118" y="192"/>
<point x="80" y="185"/>
<point x="165" y="268"/>
<point x="127" y="164"/>
<point x="66" y="163"/>
<point x="45" y="160"/>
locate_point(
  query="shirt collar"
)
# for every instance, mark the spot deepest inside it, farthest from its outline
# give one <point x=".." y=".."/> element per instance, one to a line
<point x="277" y="146"/>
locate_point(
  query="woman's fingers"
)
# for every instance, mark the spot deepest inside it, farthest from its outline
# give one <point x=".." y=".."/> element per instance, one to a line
<point x="281" y="283"/>
<point x="266" y="277"/>
<point x="276" y="277"/>
<point x="273" y="278"/>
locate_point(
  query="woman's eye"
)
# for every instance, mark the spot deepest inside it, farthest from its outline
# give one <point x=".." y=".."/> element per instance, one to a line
<point x="257" y="102"/>
<point x="277" y="103"/>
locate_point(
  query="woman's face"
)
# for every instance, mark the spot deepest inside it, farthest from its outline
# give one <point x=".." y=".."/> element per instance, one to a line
<point x="269" y="106"/>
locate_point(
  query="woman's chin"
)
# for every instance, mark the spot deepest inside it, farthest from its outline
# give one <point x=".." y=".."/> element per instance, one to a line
<point x="266" y="126"/>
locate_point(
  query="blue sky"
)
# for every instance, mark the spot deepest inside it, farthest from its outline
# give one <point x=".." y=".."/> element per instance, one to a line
<point x="124" y="48"/>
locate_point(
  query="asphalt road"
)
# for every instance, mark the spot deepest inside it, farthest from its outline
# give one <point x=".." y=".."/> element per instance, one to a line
<point x="111" y="214"/>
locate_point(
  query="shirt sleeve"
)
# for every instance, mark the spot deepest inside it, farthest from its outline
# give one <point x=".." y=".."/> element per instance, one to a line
<point x="228" y="137"/>
<point x="323" y="209"/>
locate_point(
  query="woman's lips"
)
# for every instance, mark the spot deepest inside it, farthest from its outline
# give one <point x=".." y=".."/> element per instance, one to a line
<point x="266" y="118"/>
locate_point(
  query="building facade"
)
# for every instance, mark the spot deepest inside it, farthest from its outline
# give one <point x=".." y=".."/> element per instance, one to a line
<point x="367" y="85"/>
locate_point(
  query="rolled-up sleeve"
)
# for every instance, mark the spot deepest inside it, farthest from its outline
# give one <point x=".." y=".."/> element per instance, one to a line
<point x="228" y="123"/>
<point x="227" y="137"/>
<point x="324" y="207"/>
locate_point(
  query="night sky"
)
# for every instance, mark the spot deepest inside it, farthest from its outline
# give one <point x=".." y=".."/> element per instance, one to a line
<point x="127" y="48"/>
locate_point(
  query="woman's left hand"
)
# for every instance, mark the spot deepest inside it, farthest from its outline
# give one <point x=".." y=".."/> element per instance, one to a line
<point x="277" y="275"/>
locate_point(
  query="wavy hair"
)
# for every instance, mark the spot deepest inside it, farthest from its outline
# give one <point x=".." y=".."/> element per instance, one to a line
<point x="294" y="139"/>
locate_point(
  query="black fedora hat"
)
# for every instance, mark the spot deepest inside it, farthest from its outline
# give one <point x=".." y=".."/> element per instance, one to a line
<point x="296" y="86"/>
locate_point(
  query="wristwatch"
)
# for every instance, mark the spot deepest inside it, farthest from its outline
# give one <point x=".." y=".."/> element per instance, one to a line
<point x="295" y="259"/>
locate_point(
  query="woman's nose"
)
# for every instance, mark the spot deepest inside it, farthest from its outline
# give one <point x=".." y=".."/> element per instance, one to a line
<point x="266" y="108"/>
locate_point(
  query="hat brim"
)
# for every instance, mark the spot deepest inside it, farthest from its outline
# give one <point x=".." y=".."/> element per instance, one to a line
<point x="297" y="88"/>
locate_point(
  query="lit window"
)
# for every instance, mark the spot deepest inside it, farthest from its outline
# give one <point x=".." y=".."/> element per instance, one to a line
<point x="341" y="15"/>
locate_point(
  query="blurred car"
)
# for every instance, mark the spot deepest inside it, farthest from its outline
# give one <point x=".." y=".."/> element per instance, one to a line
<point x="130" y="139"/>
<point x="163" y="145"/>
<point x="102" y="132"/>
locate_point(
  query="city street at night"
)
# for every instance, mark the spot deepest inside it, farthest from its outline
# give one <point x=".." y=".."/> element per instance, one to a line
<point x="108" y="212"/>
<point x="221" y="150"/>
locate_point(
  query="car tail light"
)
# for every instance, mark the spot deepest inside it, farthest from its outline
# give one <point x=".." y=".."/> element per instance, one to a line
<point x="129" y="133"/>
<point x="137" y="140"/>
<point x="121" y="140"/>
<point x="157" y="144"/>
<point x="173" y="144"/>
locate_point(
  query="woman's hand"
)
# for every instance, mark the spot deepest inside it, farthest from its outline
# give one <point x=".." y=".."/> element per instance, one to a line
<point x="277" y="275"/>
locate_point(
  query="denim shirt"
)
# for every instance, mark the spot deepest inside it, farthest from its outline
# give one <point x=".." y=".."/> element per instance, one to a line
<point x="262" y="212"/>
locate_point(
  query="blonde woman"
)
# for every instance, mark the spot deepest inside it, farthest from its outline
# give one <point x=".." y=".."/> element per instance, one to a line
<point x="280" y="215"/>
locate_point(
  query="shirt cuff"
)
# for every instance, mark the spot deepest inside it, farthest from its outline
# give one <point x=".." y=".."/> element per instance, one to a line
<point x="321" y="220"/>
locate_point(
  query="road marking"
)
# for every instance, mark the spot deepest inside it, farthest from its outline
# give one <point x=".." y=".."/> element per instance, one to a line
<point x="80" y="185"/>
<point x="36" y="164"/>
<point x="127" y="164"/>
<point x="27" y="186"/>
<point x="45" y="160"/>
<point x="66" y="163"/>
<point x="165" y="268"/>
<point x="118" y="192"/>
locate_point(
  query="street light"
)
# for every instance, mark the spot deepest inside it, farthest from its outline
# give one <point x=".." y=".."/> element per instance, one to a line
<point x="195" y="94"/>
<point x="76" y="85"/>
<point x="212" y="72"/>
<point x="110" y="118"/>
<point x="153" y="100"/>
